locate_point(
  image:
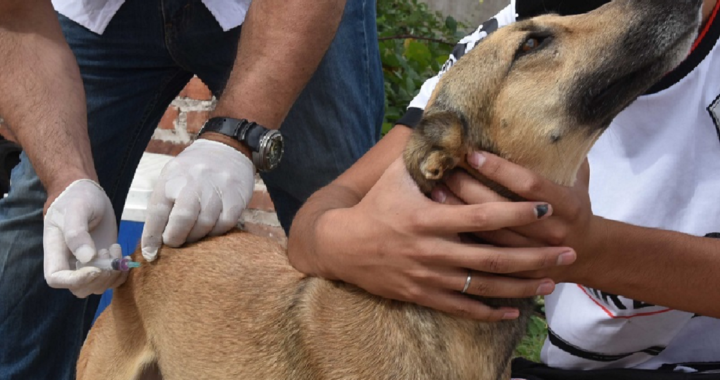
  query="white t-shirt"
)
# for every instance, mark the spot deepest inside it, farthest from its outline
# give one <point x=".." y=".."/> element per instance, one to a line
<point x="96" y="14"/>
<point x="658" y="165"/>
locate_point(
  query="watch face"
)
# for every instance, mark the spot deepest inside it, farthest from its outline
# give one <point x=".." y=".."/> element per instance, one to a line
<point x="274" y="152"/>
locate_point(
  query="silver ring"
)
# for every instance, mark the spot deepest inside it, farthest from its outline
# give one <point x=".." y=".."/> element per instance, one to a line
<point x="467" y="282"/>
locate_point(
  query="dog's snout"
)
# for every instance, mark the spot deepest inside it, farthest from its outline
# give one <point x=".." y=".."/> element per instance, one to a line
<point x="657" y="26"/>
<point x="681" y="8"/>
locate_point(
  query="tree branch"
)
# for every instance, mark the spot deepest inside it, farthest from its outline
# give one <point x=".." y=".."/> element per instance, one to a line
<point x="406" y="36"/>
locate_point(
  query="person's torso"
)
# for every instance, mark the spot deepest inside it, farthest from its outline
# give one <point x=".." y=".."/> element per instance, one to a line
<point x="97" y="14"/>
<point x="658" y="165"/>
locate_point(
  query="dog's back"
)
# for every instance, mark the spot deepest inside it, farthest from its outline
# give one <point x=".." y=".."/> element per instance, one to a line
<point x="233" y="308"/>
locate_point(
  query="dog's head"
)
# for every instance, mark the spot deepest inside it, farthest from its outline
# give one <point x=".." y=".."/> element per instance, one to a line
<point x="540" y="92"/>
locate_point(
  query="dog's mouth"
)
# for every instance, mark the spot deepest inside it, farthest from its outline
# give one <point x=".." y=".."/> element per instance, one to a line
<point x="617" y="88"/>
<point x="600" y="102"/>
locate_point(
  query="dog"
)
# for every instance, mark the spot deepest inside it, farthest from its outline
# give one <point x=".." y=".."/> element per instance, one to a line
<point x="538" y="92"/>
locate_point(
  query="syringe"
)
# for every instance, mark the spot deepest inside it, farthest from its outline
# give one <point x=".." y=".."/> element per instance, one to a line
<point x="124" y="264"/>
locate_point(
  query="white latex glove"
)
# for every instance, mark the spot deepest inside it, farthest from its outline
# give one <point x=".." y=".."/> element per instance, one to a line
<point x="80" y="226"/>
<point x="201" y="191"/>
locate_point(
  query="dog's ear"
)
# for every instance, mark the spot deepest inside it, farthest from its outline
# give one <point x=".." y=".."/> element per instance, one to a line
<point x="436" y="146"/>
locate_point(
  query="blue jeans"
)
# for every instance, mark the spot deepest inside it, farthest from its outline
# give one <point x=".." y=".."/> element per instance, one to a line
<point x="131" y="73"/>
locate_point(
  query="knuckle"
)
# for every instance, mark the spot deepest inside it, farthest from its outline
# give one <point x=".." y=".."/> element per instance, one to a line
<point x="417" y="219"/>
<point x="51" y="281"/>
<point x="221" y="227"/>
<point x="556" y="236"/>
<point x="412" y="293"/>
<point x="171" y="166"/>
<point x="532" y="185"/>
<point x="530" y="290"/>
<point x="421" y="276"/>
<point x="482" y="288"/>
<point x="427" y="253"/>
<point x="574" y="210"/>
<point x="73" y="234"/>
<point x="479" y="218"/>
<point x="205" y="223"/>
<point x="182" y="218"/>
<point x="494" y="263"/>
<point x="461" y="310"/>
<point x="547" y="260"/>
<point x="491" y="167"/>
<point x="173" y="241"/>
<point x="491" y="316"/>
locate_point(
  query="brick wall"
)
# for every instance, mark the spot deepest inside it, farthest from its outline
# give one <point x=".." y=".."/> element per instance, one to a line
<point x="181" y="122"/>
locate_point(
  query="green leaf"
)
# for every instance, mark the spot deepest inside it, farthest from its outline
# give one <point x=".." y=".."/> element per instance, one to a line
<point x="451" y="24"/>
<point x="418" y="51"/>
<point x="407" y="63"/>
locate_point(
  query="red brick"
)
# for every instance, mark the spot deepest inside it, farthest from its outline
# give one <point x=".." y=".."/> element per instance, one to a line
<point x="195" y="120"/>
<point x="164" y="147"/>
<point x="275" y="233"/>
<point x="196" y="89"/>
<point x="168" y="119"/>
<point x="261" y="201"/>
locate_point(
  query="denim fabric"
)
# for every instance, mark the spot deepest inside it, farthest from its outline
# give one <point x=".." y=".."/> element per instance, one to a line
<point x="131" y="73"/>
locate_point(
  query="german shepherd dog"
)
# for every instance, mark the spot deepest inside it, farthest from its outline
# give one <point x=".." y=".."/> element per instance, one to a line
<point x="538" y="92"/>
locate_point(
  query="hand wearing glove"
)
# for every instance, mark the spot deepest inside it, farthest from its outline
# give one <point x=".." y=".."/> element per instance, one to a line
<point x="80" y="225"/>
<point x="200" y="192"/>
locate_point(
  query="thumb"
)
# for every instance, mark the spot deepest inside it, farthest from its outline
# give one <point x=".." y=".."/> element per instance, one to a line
<point x="158" y="213"/>
<point x="77" y="236"/>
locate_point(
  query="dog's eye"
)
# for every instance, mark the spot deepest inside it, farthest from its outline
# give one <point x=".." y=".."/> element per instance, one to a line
<point x="530" y="44"/>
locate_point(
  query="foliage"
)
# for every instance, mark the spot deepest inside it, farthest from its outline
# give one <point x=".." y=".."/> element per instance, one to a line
<point x="414" y="44"/>
<point x="530" y="346"/>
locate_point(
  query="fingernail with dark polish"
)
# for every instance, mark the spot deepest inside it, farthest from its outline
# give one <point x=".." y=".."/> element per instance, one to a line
<point x="542" y="210"/>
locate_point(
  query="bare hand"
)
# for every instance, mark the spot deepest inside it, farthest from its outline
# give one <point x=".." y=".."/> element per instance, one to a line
<point x="398" y="244"/>
<point x="572" y="223"/>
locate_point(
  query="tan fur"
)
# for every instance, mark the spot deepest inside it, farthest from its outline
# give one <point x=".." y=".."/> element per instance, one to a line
<point x="232" y="307"/>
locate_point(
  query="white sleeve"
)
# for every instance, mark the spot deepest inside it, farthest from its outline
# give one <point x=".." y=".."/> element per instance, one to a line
<point x="505" y="17"/>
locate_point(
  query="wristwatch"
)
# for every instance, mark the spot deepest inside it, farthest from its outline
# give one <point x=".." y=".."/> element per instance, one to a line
<point x="266" y="145"/>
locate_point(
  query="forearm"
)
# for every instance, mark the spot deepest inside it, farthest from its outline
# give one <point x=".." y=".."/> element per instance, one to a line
<point x="41" y="94"/>
<point x="656" y="266"/>
<point x="344" y="192"/>
<point x="281" y="44"/>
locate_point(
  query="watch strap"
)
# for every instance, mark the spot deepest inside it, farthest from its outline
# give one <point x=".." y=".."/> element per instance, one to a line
<point x="236" y="128"/>
<point x="253" y="136"/>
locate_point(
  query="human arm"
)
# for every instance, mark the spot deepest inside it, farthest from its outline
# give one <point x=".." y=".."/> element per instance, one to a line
<point x="42" y="99"/>
<point x="655" y="266"/>
<point x="281" y="45"/>
<point x="373" y="228"/>
<point x="41" y="95"/>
